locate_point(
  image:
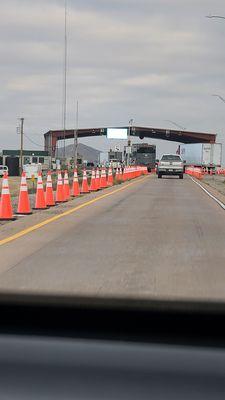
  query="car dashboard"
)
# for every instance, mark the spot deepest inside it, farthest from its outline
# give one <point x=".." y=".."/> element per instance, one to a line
<point x="110" y="349"/>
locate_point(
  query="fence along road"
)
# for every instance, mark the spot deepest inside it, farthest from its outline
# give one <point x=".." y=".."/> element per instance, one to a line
<point x="157" y="238"/>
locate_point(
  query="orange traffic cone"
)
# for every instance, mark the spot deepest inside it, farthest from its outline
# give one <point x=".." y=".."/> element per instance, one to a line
<point x="76" y="187"/>
<point x="117" y="174"/>
<point x="49" y="195"/>
<point x="125" y="174"/>
<point x="93" y="187"/>
<point x="66" y="186"/>
<point x="84" y="187"/>
<point x="110" y="177"/>
<point x="103" y="182"/>
<point x="24" y="201"/>
<point x="6" y="212"/>
<point x="40" y="203"/>
<point x="59" y="190"/>
<point x="97" y="179"/>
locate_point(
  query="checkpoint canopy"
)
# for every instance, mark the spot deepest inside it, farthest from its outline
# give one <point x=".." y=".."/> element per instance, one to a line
<point x="183" y="136"/>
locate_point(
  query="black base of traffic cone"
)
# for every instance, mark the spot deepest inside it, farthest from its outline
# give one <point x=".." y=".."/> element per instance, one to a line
<point x="34" y="208"/>
<point x="8" y="219"/>
<point x="28" y="213"/>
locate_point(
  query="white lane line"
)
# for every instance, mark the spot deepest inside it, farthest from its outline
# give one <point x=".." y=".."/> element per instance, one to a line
<point x="209" y="194"/>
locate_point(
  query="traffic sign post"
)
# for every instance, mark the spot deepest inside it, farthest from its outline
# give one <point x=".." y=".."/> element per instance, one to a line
<point x="33" y="181"/>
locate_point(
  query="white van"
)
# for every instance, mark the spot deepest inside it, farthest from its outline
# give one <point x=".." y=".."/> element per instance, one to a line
<point x="3" y="169"/>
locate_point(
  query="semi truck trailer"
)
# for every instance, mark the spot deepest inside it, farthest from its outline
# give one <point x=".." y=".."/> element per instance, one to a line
<point x="206" y="155"/>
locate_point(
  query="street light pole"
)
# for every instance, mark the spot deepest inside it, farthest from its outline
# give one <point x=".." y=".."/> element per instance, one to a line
<point x="76" y="138"/>
<point x="219" y="97"/>
<point x="21" y="144"/>
<point x="217" y="17"/>
<point x="65" y="81"/>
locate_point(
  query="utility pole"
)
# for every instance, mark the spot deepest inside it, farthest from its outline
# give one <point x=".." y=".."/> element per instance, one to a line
<point x="129" y="141"/>
<point x="65" y="81"/>
<point x="76" y="138"/>
<point x="21" y="145"/>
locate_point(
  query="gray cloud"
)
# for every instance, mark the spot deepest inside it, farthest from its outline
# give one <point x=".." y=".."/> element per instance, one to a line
<point x="150" y="60"/>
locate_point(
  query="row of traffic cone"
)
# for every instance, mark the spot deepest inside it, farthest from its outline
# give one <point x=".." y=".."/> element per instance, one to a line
<point x="44" y="200"/>
<point x="98" y="181"/>
<point x="197" y="172"/>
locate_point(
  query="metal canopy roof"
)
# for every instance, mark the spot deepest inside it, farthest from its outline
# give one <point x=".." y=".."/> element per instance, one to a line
<point x="175" y="135"/>
<point x="143" y="132"/>
<point x="52" y="136"/>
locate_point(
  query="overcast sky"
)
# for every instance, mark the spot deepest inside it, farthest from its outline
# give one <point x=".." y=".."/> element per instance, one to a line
<point x="151" y="60"/>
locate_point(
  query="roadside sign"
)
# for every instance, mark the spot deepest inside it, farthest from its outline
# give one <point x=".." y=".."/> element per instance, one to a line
<point x="128" y="149"/>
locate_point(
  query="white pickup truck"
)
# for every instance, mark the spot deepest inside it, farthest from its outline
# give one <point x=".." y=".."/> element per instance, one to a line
<point x="170" y="164"/>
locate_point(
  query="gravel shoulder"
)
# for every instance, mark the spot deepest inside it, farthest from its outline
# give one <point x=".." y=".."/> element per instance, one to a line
<point x="215" y="185"/>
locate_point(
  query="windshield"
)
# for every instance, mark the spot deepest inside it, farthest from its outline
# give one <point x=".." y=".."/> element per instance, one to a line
<point x="93" y="93"/>
<point x="170" y="157"/>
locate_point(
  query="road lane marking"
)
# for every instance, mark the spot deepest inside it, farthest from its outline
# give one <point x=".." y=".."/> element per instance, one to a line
<point x="209" y="194"/>
<point x="65" y="213"/>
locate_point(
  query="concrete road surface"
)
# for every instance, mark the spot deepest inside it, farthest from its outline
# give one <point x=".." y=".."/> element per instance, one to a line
<point x="156" y="238"/>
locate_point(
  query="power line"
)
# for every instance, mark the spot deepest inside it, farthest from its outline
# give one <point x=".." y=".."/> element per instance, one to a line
<point x="177" y="125"/>
<point x="32" y="141"/>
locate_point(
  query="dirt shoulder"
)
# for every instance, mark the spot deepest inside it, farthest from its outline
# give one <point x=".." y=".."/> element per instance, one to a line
<point x="215" y="185"/>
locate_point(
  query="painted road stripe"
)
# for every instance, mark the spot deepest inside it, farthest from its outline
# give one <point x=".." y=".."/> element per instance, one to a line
<point x="209" y="194"/>
<point x="65" y="213"/>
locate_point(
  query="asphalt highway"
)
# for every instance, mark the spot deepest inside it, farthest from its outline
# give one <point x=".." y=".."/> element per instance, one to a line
<point x="156" y="238"/>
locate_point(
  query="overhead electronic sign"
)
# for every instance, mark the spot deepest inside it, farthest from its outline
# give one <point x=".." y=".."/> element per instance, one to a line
<point x="116" y="133"/>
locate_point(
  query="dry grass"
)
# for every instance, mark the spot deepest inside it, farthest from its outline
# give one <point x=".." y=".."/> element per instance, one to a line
<point x="215" y="181"/>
